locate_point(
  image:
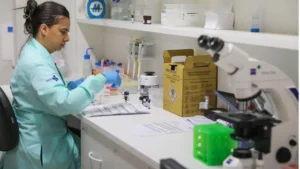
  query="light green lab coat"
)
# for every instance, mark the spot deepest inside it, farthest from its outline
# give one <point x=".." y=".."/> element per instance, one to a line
<point x="41" y="100"/>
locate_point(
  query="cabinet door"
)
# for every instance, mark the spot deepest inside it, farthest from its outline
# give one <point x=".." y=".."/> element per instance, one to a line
<point x="124" y="159"/>
<point x="120" y="163"/>
<point x="95" y="155"/>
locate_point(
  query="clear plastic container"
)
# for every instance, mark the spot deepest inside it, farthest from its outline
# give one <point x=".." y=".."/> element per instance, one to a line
<point x="120" y="9"/>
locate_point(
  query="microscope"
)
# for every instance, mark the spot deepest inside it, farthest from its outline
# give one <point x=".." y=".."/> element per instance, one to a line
<point x="274" y="134"/>
<point x="275" y="137"/>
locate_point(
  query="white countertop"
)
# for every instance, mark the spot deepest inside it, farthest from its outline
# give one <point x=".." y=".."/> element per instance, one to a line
<point x="150" y="149"/>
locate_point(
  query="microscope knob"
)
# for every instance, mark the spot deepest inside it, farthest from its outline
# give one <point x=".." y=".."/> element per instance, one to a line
<point x="216" y="57"/>
<point x="293" y="142"/>
<point x="283" y="155"/>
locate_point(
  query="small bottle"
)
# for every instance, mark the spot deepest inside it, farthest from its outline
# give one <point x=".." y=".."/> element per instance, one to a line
<point x="98" y="67"/>
<point x="256" y="20"/>
<point x="87" y="67"/>
<point x="120" y="68"/>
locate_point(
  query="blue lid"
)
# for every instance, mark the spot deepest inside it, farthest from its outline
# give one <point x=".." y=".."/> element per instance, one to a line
<point x="255" y="30"/>
<point x="98" y="63"/>
<point x="120" y="64"/>
<point x="87" y="56"/>
<point x="10" y="29"/>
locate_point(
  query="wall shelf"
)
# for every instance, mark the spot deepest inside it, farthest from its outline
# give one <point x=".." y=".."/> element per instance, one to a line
<point x="260" y="39"/>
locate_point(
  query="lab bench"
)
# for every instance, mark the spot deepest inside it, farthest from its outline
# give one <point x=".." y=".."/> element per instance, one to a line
<point x="109" y="141"/>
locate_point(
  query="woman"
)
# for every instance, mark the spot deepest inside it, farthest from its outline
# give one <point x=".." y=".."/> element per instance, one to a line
<point x="41" y="96"/>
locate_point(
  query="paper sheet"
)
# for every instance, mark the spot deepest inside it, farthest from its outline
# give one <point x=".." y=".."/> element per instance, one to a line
<point x="161" y="128"/>
<point x="169" y="127"/>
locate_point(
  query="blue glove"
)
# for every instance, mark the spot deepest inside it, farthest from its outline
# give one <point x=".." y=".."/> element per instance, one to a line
<point x="112" y="77"/>
<point x="74" y="84"/>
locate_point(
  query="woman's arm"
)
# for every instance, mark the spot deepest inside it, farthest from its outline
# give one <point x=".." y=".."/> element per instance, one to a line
<point x="57" y="97"/>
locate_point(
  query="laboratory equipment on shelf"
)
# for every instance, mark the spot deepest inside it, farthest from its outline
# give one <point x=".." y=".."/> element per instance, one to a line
<point x="274" y="136"/>
<point x="120" y="9"/>
<point x="146" y="9"/>
<point x="182" y="15"/>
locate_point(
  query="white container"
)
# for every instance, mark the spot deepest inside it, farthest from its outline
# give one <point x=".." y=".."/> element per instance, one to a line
<point x="121" y="9"/>
<point x="219" y="21"/>
<point x="182" y="15"/>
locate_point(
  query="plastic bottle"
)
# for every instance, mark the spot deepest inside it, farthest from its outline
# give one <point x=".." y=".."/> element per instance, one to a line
<point x="256" y="20"/>
<point x="98" y="67"/>
<point x="87" y="67"/>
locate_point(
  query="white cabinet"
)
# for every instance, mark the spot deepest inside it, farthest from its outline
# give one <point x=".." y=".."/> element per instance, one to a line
<point x="94" y="155"/>
<point x="98" y="152"/>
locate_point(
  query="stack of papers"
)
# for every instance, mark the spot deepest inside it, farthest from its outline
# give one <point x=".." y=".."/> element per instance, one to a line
<point x="115" y="109"/>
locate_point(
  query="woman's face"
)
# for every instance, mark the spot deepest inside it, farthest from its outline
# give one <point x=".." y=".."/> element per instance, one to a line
<point x="57" y="35"/>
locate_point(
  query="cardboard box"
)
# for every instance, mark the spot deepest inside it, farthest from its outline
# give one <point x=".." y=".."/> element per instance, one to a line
<point x="186" y="84"/>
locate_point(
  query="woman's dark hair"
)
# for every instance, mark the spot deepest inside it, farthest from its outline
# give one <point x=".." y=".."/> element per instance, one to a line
<point x="46" y="13"/>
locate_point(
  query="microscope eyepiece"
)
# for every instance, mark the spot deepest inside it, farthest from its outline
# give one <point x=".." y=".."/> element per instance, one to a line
<point x="216" y="44"/>
<point x="203" y="41"/>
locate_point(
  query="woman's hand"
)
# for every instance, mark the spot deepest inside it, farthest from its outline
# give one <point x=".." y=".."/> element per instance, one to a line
<point x="112" y="77"/>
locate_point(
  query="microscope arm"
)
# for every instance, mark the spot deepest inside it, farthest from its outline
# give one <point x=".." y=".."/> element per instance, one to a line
<point x="248" y="76"/>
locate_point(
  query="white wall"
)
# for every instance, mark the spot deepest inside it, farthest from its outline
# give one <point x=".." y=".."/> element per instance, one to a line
<point x="6" y="17"/>
<point x="279" y="16"/>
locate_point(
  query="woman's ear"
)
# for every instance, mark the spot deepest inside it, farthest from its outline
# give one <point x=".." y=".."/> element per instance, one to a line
<point x="44" y="29"/>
